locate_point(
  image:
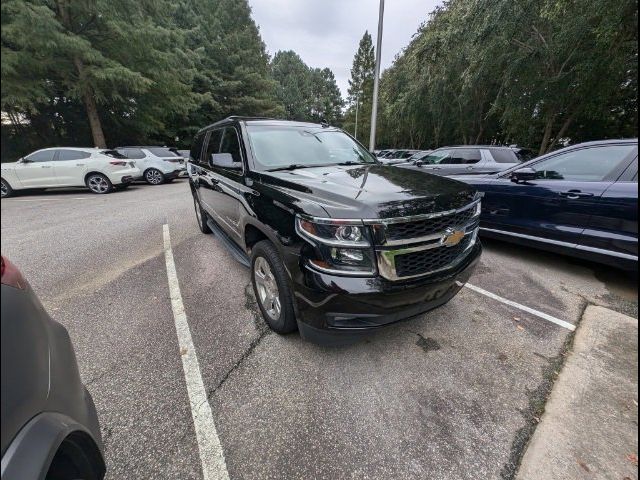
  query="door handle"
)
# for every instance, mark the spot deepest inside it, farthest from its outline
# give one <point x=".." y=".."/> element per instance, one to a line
<point x="436" y="168"/>
<point x="45" y="166"/>
<point x="575" y="194"/>
<point x="469" y="168"/>
<point x="80" y="164"/>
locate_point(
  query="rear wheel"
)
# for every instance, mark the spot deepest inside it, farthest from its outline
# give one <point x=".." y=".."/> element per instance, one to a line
<point x="271" y="288"/>
<point x="98" y="183"/>
<point x="5" y="188"/>
<point x="154" y="176"/>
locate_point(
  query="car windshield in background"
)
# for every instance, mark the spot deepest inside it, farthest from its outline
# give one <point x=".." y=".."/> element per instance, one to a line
<point x="163" y="152"/>
<point x="276" y="147"/>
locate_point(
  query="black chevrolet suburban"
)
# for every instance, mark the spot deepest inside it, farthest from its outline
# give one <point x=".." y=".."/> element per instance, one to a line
<point x="336" y="242"/>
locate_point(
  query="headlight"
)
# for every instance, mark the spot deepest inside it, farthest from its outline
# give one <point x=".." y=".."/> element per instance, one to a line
<point x="338" y="247"/>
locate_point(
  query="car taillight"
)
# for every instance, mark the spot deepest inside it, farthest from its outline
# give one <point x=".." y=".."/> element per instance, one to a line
<point x="120" y="163"/>
<point x="11" y="276"/>
<point x="172" y="160"/>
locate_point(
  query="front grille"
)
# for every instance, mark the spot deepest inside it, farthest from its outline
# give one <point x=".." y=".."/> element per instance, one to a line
<point x="425" y="261"/>
<point x="422" y="228"/>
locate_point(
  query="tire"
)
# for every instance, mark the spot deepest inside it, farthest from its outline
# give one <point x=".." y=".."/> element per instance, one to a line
<point x="267" y="272"/>
<point x="201" y="216"/>
<point x="99" y="184"/>
<point x="153" y="176"/>
<point x="5" y="188"/>
<point x="71" y="462"/>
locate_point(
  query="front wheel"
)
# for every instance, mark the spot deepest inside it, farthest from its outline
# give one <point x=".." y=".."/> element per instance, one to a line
<point x="154" y="176"/>
<point x="5" y="188"/>
<point x="98" y="183"/>
<point x="271" y="288"/>
<point x="200" y="215"/>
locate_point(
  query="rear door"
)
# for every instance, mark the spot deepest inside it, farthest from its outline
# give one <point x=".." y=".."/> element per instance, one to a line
<point x="36" y="170"/>
<point x="557" y="206"/>
<point x="614" y="224"/>
<point x="70" y="167"/>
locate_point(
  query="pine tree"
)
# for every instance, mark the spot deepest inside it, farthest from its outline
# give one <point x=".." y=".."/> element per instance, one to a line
<point x="360" y="93"/>
<point x="294" y="84"/>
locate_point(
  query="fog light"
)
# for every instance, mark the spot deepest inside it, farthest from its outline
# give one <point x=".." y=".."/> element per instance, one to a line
<point x="347" y="255"/>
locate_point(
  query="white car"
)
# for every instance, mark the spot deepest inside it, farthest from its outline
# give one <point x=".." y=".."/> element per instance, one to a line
<point x="100" y="170"/>
<point x="158" y="164"/>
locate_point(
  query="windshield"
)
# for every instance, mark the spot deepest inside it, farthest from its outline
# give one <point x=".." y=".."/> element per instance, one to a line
<point x="276" y="146"/>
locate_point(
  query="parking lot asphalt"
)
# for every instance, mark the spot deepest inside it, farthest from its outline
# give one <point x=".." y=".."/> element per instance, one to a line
<point x="453" y="394"/>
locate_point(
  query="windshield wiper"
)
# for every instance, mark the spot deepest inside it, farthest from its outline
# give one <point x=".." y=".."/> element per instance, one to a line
<point x="351" y="162"/>
<point x="294" y="166"/>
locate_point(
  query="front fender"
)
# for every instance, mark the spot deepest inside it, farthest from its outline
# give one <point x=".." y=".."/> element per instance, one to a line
<point x="30" y="453"/>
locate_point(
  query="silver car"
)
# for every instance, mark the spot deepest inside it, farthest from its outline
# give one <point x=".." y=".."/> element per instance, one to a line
<point x="158" y="164"/>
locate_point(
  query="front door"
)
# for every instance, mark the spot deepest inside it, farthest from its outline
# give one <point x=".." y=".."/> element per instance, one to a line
<point x="558" y="205"/>
<point x="36" y="170"/>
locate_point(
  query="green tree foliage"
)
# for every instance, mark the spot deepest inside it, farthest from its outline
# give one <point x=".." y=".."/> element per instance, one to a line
<point x="121" y="71"/>
<point x="306" y="93"/>
<point x="533" y="72"/>
<point x="360" y="93"/>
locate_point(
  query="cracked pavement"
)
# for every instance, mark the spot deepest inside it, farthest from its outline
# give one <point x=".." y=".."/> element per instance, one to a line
<point x="448" y="395"/>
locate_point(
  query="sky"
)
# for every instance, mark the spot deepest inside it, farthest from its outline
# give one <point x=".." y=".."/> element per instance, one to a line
<point x="325" y="33"/>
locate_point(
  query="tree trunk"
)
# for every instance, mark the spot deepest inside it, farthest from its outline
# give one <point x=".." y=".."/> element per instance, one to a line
<point x="477" y="142"/>
<point x="547" y="136"/>
<point x="91" y="108"/>
<point x="562" y="131"/>
<point x="87" y="92"/>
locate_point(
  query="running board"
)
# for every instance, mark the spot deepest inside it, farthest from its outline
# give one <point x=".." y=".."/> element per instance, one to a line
<point x="235" y="251"/>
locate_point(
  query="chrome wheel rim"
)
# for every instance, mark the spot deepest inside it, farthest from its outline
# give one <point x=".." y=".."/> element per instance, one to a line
<point x="267" y="288"/>
<point x="98" y="184"/>
<point x="196" y="205"/>
<point x="154" y="177"/>
<point x="3" y="189"/>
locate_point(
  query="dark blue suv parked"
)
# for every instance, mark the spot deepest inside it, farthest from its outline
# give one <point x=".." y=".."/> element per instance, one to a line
<point x="581" y="201"/>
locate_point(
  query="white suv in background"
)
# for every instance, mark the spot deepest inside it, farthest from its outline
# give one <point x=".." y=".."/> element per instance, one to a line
<point x="100" y="170"/>
<point x="158" y="164"/>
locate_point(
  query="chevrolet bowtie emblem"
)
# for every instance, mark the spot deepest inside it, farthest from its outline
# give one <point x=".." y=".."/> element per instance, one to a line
<point x="452" y="237"/>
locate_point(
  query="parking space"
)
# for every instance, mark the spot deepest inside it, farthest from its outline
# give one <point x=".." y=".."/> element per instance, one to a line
<point x="451" y="394"/>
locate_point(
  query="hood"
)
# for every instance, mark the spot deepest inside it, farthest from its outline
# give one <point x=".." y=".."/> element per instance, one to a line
<point x="370" y="191"/>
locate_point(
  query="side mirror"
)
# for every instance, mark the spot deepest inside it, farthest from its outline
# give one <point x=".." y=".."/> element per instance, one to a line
<point x="23" y="160"/>
<point x="224" y="160"/>
<point x="524" y="174"/>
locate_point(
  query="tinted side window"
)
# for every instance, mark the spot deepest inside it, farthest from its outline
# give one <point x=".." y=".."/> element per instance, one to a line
<point x="504" y="156"/>
<point x="196" y="147"/>
<point x="463" y="156"/>
<point x="231" y="144"/>
<point x="583" y="165"/>
<point x="42" y="156"/>
<point x="213" y="146"/>
<point x="162" y="152"/>
<point x="72" y="155"/>
<point x="132" y="153"/>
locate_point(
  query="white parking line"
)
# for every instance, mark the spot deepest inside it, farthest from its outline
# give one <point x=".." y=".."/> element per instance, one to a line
<point x="532" y="311"/>
<point x="214" y="466"/>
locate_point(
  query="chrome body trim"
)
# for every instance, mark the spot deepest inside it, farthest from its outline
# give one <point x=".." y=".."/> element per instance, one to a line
<point x="574" y="246"/>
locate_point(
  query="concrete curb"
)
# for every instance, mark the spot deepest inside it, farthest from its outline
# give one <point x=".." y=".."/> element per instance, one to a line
<point x="590" y="426"/>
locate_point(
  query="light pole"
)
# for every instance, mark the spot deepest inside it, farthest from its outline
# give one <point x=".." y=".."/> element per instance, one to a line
<point x="376" y="79"/>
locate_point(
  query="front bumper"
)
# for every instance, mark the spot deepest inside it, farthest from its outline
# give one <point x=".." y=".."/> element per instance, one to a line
<point x="335" y="305"/>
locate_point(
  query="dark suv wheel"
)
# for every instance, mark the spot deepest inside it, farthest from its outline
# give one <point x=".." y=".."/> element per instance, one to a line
<point x="271" y="288"/>
<point x="201" y="216"/>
